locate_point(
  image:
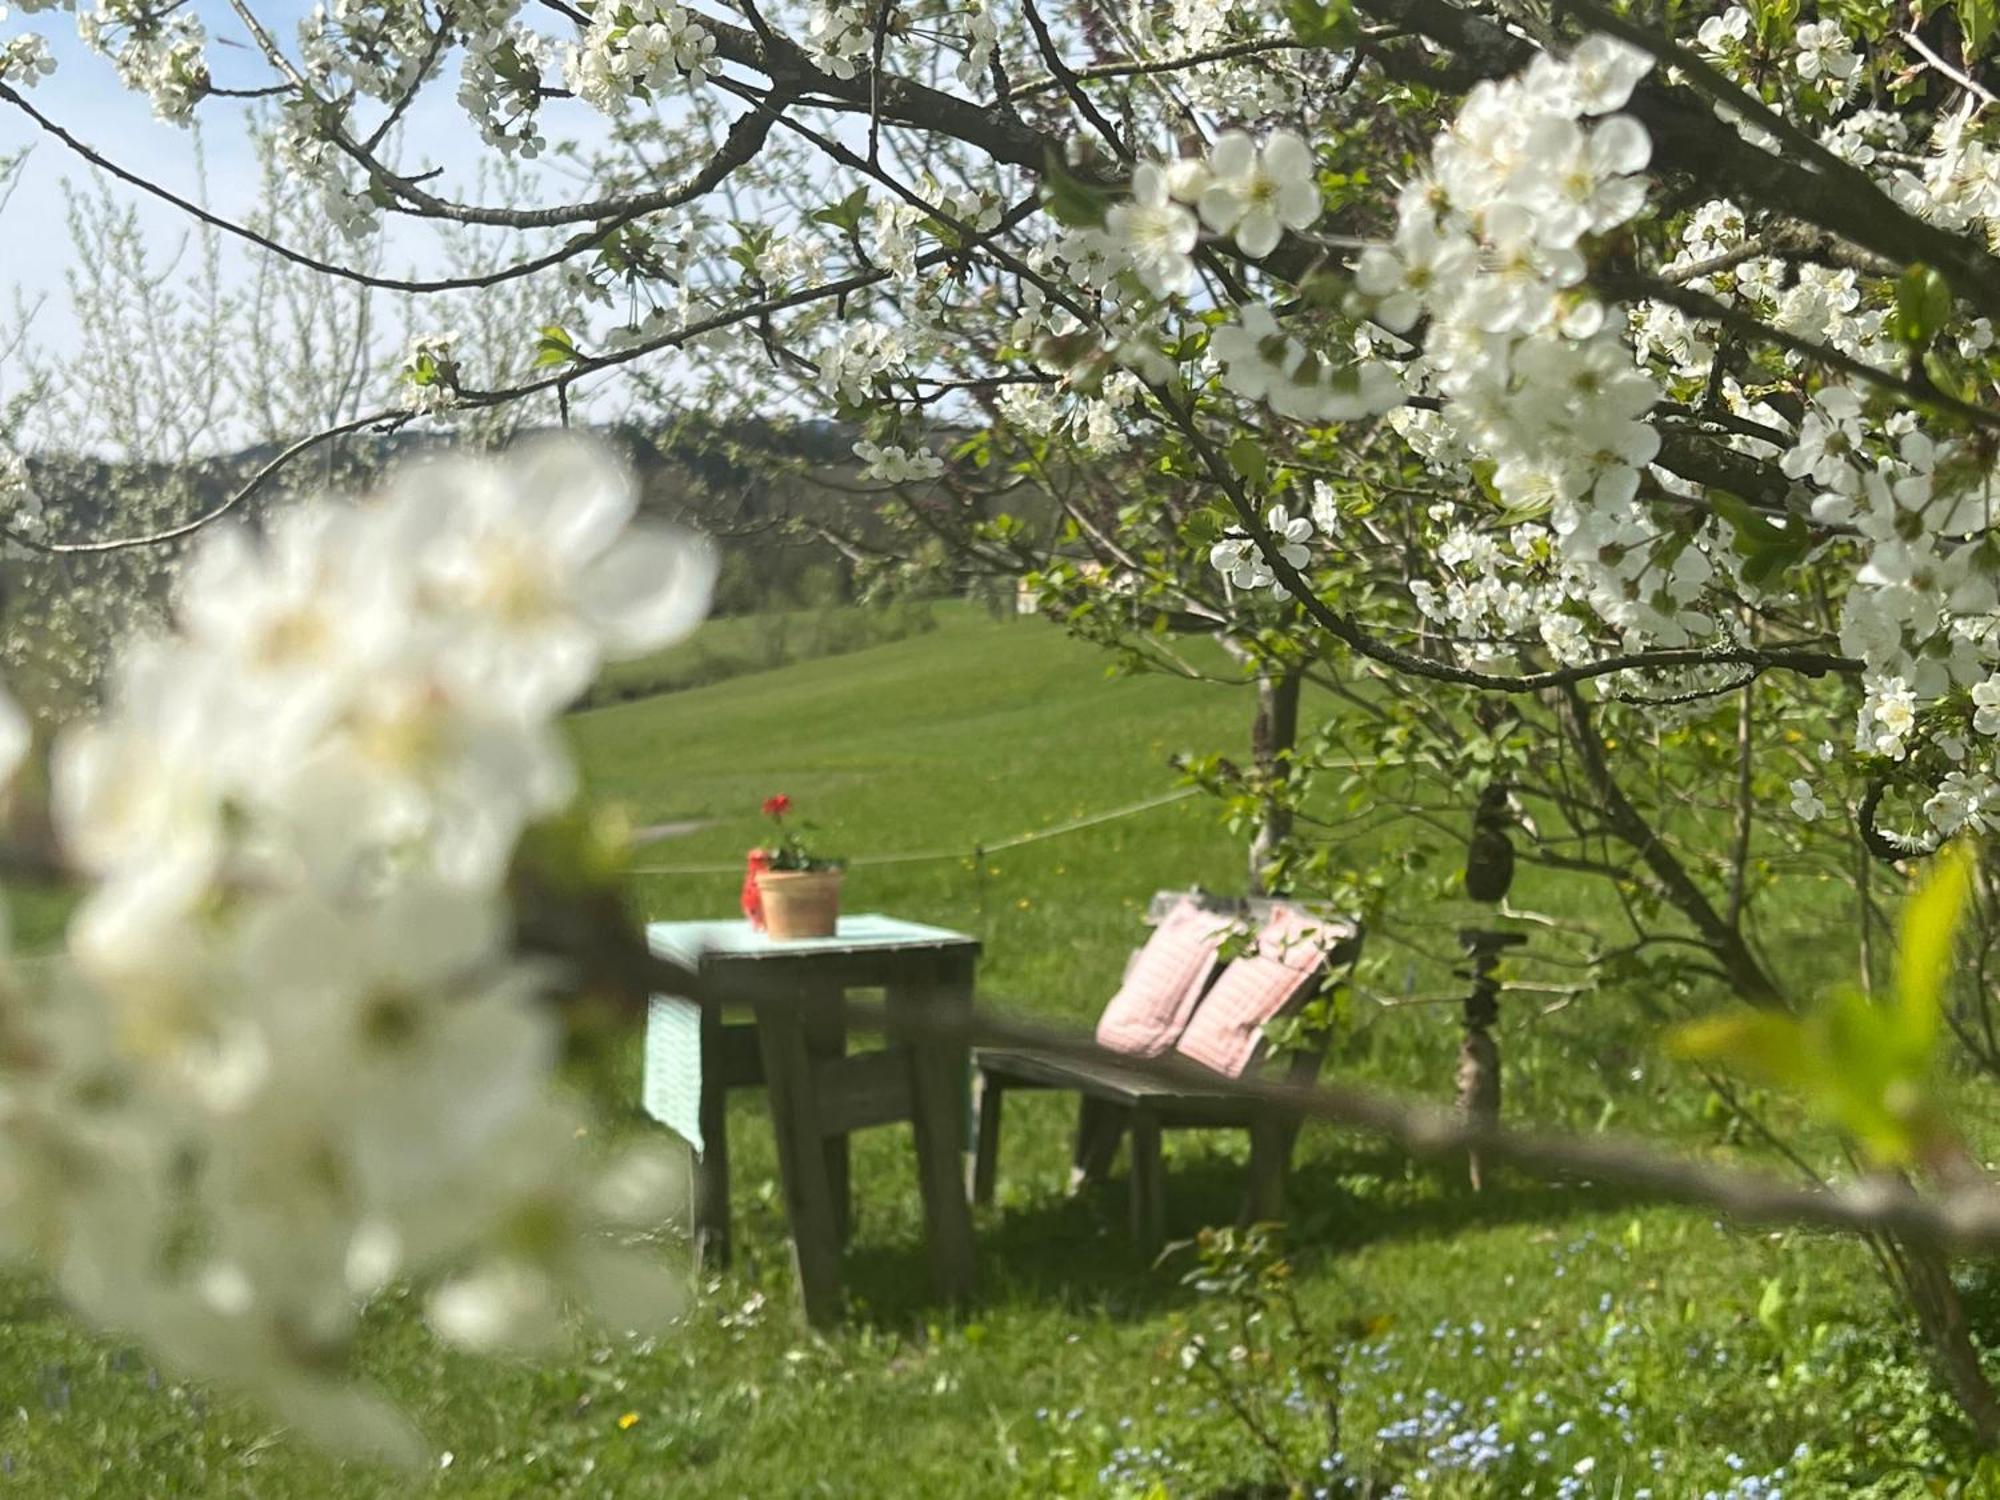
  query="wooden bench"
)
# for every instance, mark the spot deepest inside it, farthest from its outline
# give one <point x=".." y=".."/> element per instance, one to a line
<point x="1117" y="1100"/>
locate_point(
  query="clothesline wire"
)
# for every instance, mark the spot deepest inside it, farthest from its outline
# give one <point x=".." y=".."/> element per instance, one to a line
<point x="976" y="851"/>
<point x="979" y="850"/>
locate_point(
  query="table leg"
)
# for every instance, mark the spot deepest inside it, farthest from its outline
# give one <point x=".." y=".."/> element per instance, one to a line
<point x="939" y="1068"/>
<point x="781" y="1036"/>
<point x="711" y="1172"/>
<point x="826" y="1041"/>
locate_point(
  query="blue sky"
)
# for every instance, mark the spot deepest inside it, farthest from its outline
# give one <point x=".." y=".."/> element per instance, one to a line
<point x="85" y="97"/>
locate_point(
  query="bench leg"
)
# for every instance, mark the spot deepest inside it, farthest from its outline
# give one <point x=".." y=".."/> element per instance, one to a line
<point x="1099" y="1125"/>
<point x="1149" y="1182"/>
<point x="987" y="1093"/>
<point x="1271" y="1138"/>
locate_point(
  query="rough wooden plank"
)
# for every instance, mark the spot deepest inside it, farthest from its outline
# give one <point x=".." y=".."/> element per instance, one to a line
<point x="860" y="1092"/>
<point x="743" y="982"/>
<point x="1105" y="1079"/>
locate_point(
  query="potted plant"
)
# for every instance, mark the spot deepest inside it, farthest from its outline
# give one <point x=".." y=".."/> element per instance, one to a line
<point x="789" y="891"/>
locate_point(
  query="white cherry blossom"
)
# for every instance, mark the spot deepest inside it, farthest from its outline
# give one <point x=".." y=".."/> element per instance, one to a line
<point x="1255" y="193"/>
<point x="1156" y="234"/>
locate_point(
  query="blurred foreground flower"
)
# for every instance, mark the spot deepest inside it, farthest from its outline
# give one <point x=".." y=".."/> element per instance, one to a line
<point x="295" y="1051"/>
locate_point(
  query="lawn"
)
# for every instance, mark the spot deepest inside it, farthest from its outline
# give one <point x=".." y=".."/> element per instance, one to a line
<point x="1535" y="1339"/>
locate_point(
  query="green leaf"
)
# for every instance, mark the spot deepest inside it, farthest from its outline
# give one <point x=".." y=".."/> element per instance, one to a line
<point x="945" y="234"/>
<point x="1321" y="23"/>
<point x="1204" y="526"/>
<point x="1777" y="21"/>
<point x="555" y="347"/>
<point x="1771" y="1308"/>
<point x="1923" y="956"/>
<point x="1761" y="1044"/>
<point x="1864" y="1066"/>
<point x="1948" y="374"/>
<point x="1872" y="1080"/>
<point x="1068" y="198"/>
<point x="1923" y="306"/>
<point x="1766" y="548"/>
<point x="1525" y="511"/>
<point x="1247" y="457"/>
<point x="1749" y="525"/>
<point x="846" y="214"/>
<point x="1977" y="20"/>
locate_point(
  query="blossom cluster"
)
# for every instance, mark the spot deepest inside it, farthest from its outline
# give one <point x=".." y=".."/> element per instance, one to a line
<point x="1246" y="191"/>
<point x="1823" y="58"/>
<point x="329" y="176"/>
<point x="838" y="37"/>
<point x="294" y="1054"/>
<point x="892" y="463"/>
<point x="862" y="353"/>
<point x="634" y="49"/>
<point x="429" y="373"/>
<point x="25" y="60"/>
<point x="375" y="50"/>
<point x="22" y="513"/>
<point x="500" y="89"/>
<point x="1253" y="194"/>
<point x="1238" y="558"/>
<point x="1491" y="247"/>
<point x="162" y="59"/>
<point x="1917" y="514"/>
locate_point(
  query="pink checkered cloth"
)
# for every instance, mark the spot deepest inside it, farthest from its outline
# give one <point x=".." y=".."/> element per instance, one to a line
<point x="1227" y="1027"/>
<point x="1163" y="983"/>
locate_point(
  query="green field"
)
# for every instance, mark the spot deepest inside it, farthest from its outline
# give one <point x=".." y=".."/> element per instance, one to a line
<point x="1537" y="1339"/>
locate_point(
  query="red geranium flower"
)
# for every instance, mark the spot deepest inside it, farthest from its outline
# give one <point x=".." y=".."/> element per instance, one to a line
<point x="778" y="806"/>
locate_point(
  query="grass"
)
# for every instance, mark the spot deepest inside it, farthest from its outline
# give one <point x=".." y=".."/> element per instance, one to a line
<point x="1541" y="1340"/>
<point x="738" y="645"/>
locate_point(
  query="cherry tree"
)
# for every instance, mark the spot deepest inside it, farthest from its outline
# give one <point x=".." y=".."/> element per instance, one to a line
<point x="1588" y="366"/>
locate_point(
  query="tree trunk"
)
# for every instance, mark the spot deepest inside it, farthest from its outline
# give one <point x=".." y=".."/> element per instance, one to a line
<point x="1928" y="1286"/>
<point x="1273" y="738"/>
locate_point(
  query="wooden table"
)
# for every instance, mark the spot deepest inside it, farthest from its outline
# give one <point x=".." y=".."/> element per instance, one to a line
<point x="771" y="1015"/>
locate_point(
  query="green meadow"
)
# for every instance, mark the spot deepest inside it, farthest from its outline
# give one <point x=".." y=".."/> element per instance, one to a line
<point x="1540" y="1339"/>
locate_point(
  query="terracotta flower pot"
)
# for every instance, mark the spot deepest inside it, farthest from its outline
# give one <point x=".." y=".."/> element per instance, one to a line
<point x="799" y="903"/>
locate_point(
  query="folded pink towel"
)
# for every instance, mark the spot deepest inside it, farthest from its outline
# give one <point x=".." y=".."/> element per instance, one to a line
<point x="1227" y="1027"/>
<point x="1165" y="980"/>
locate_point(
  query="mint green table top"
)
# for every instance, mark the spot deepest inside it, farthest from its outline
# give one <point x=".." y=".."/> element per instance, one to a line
<point x="689" y="942"/>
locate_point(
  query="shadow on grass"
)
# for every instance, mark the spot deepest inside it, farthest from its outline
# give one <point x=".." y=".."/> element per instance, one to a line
<point x="1078" y="1253"/>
